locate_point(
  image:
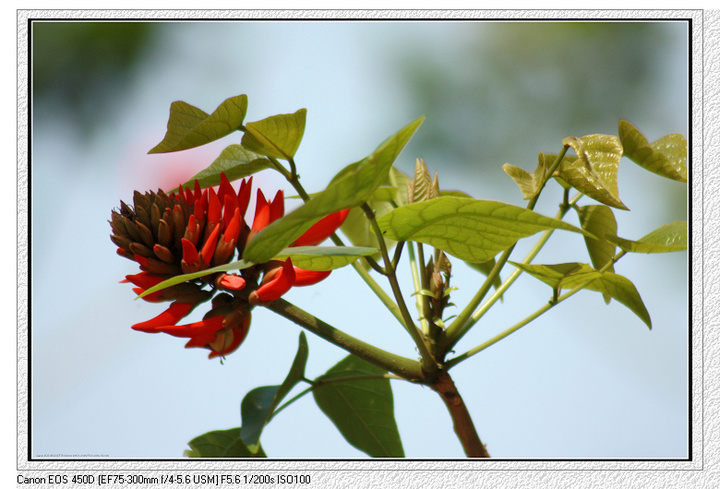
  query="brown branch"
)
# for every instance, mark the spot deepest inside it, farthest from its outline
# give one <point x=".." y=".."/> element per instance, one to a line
<point x="462" y="422"/>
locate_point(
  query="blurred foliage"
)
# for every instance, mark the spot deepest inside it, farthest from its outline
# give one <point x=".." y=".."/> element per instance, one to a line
<point x="518" y="87"/>
<point x="77" y="66"/>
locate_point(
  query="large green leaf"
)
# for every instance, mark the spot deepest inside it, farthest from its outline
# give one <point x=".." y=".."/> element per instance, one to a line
<point x="600" y="221"/>
<point x="472" y="230"/>
<point x="666" y="238"/>
<point x="324" y="257"/>
<point x="235" y="162"/>
<point x="189" y="127"/>
<point x="356" y="185"/>
<point x="667" y="156"/>
<point x="362" y="410"/>
<point x="220" y="444"/>
<point x="277" y="136"/>
<point x="258" y="405"/>
<point x="594" y="171"/>
<point x="571" y="275"/>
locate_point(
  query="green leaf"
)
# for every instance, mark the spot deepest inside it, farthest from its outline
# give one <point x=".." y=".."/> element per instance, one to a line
<point x="530" y="183"/>
<point x="666" y="238"/>
<point x="362" y="410"/>
<point x="189" y="127"/>
<point x="666" y="157"/>
<point x="472" y="230"/>
<point x="221" y="443"/>
<point x="277" y="136"/>
<point x="235" y="162"/>
<point x="600" y="221"/>
<point x="324" y="257"/>
<point x="258" y="405"/>
<point x="571" y="275"/>
<point x="186" y="277"/>
<point x="594" y="171"/>
<point x="356" y="185"/>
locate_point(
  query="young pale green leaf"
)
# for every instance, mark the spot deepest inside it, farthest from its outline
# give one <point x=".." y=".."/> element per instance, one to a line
<point x="469" y="229"/>
<point x="665" y="239"/>
<point x="600" y="221"/>
<point x="277" y="136"/>
<point x="571" y="275"/>
<point x="594" y="171"/>
<point x="362" y="410"/>
<point x="423" y="186"/>
<point x="189" y="127"/>
<point x="530" y="183"/>
<point x="178" y="279"/>
<point x="235" y="162"/>
<point x="259" y="404"/>
<point x="321" y="258"/>
<point x="356" y="185"/>
<point x="221" y="444"/>
<point x="666" y="157"/>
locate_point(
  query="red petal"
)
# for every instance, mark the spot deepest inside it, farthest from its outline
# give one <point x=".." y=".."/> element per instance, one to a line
<point x="144" y="279"/>
<point x="225" y="189"/>
<point x="190" y="254"/>
<point x="201" y="333"/>
<point x="239" y="333"/>
<point x="243" y="195"/>
<point x="198" y="191"/>
<point x="232" y="282"/>
<point x="322" y="229"/>
<point x="230" y="204"/>
<point x="170" y="317"/>
<point x="214" y="207"/>
<point x="277" y="206"/>
<point x="209" y="247"/>
<point x="233" y="227"/>
<point x="309" y="277"/>
<point x="280" y="283"/>
<point x="262" y="212"/>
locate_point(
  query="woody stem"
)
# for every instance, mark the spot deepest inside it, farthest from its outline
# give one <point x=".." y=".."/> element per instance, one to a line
<point x="462" y="422"/>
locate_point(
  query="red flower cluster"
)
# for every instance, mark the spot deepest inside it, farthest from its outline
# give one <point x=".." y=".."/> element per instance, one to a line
<point x="192" y="230"/>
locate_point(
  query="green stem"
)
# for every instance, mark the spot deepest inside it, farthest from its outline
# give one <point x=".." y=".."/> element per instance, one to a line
<point x="460" y="358"/>
<point x="517" y="272"/>
<point x="429" y="364"/>
<point x="468" y="316"/>
<point x="401" y="366"/>
<point x="419" y="297"/>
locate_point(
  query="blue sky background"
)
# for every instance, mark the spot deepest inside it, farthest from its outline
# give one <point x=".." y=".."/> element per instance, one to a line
<point x="584" y="381"/>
